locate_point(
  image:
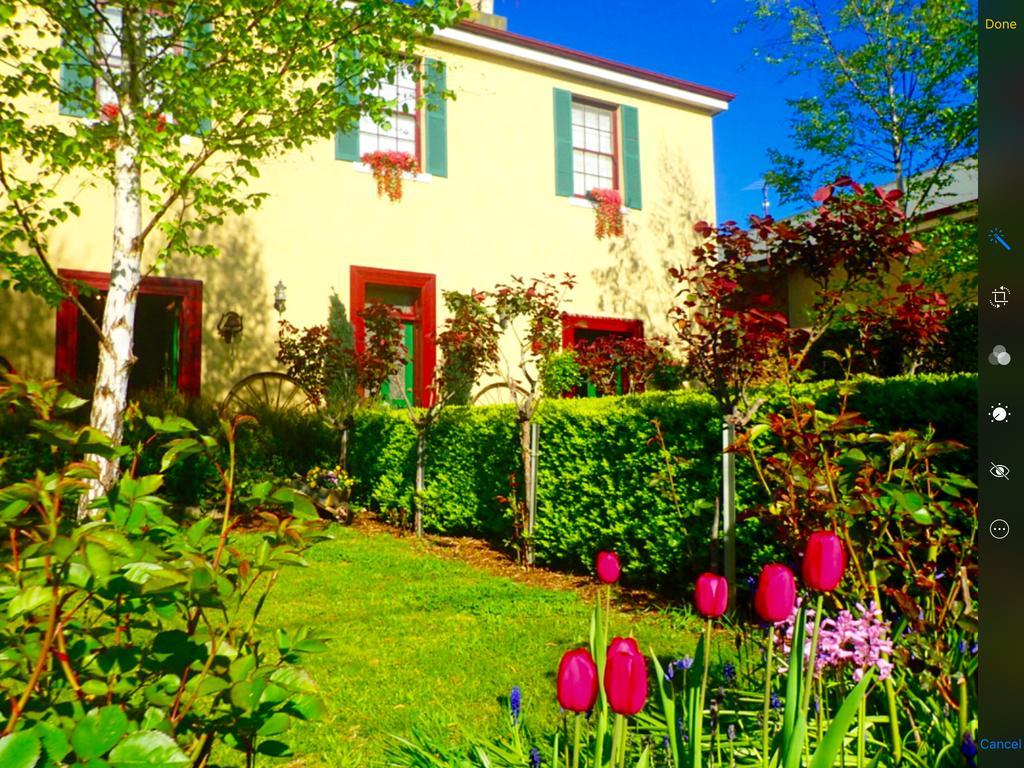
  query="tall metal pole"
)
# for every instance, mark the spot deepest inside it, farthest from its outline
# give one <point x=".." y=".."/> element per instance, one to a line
<point x="729" y="505"/>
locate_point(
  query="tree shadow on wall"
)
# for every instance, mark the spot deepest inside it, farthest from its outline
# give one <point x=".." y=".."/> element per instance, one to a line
<point x="27" y="334"/>
<point x="635" y="282"/>
<point x="235" y="281"/>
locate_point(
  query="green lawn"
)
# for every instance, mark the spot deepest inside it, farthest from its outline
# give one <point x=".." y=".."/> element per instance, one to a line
<point x="431" y="642"/>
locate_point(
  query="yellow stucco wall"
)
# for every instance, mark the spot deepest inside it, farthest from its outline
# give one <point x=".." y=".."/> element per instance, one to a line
<point x="496" y="214"/>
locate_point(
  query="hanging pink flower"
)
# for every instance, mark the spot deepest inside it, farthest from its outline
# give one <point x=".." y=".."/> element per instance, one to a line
<point x="609" y="212"/>
<point x="388" y="168"/>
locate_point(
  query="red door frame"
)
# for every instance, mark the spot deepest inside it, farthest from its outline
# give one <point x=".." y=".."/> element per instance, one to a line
<point x="424" y="315"/>
<point x="190" y="341"/>
<point x="631" y="329"/>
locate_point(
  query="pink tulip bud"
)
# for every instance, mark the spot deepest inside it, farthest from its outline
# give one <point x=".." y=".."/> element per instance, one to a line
<point x="711" y="595"/>
<point x="824" y="561"/>
<point x="776" y="593"/>
<point x="608" y="567"/>
<point x="577" y="681"/>
<point x="625" y="677"/>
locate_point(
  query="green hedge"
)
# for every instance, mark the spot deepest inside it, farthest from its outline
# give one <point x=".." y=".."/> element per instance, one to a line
<point x="602" y="480"/>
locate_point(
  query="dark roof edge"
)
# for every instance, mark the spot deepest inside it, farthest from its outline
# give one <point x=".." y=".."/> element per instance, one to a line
<point x="586" y="58"/>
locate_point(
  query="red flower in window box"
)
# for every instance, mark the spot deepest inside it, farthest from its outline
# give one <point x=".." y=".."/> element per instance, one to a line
<point x="608" y="203"/>
<point x="388" y="168"/>
<point x="109" y="111"/>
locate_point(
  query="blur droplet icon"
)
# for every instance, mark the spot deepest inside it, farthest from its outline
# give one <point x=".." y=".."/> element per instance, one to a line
<point x="999" y="355"/>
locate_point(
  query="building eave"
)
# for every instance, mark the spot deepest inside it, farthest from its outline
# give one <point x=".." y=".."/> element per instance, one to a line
<point x="584" y="66"/>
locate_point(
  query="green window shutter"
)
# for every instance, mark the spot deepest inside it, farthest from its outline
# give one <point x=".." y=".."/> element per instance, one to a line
<point x="77" y="86"/>
<point x="437" y="119"/>
<point x="563" y="143"/>
<point x="631" y="157"/>
<point x="346" y="142"/>
<point x="197" y="39"/>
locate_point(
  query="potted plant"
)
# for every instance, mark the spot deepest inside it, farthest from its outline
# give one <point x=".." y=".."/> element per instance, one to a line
<point x="330" y="490"/>
<point x="608" y="205"/>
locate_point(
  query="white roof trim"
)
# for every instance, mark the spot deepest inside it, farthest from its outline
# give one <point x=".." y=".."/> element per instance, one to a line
<point x="580" y="69"/>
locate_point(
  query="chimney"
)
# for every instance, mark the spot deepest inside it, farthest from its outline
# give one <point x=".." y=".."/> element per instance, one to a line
<point x="483" y="13"/>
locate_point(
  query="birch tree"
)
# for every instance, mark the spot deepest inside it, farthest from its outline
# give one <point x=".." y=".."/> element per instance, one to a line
<point x="170" y="106"/>
<point x="893" y="93"/>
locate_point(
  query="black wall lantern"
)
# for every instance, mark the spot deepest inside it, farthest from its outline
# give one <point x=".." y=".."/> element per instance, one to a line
<point x="230" y="327"/>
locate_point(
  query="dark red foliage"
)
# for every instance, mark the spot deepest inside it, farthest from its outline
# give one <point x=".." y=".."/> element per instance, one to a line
<point x="604" y="360"/>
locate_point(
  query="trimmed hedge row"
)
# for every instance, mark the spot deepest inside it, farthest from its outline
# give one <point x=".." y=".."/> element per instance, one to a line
<point x="603" y="478"/>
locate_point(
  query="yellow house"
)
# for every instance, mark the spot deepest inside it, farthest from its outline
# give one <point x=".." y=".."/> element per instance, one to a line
<point x="503" y="173"/>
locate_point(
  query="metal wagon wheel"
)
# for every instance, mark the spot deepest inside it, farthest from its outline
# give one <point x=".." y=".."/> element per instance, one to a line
<point x="499" y="393"/>
<point x="267" y="390"/>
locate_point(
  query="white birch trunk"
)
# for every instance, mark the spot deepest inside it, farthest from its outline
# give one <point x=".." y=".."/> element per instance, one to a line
<point x="110" y="395"/>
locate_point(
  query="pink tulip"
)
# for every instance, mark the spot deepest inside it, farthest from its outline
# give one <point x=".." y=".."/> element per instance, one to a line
<point x="608" y="567"/>
<point x="776" y="593"/>
<point x="577" y="681"/>
<point x="625" y="677"/>
<point x="824" y="561"/>
<point x="711" y="595"/>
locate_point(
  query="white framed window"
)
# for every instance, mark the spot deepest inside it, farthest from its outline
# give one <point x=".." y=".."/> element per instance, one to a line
<point x="594" y="147"/>
<point x="401" y="132"/>
<point x="159" y="37"/>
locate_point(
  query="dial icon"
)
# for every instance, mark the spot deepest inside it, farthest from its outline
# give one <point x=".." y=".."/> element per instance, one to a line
<point x="999" y="412"/>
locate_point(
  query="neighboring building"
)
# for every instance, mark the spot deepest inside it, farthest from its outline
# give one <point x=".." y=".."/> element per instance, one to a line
<point x="504" y="169"/>
<point x="794" y="293"/>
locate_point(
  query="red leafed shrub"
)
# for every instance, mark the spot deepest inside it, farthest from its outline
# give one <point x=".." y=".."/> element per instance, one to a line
<point x="383" y="349"/>
<point x="312" y="356"/>
<point x="636" y="360"/>
<point x="915" y="318"/>
<point x="608" y="205"/>
<point x="388" y="168"/>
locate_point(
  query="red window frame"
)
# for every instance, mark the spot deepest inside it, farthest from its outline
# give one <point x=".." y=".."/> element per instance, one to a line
<point x="190" y="341"/>
<point x="614" y="109"/>
<point x="417" y="116"/>
<point x="617" y="326"/>
<point x="423" y="316"/>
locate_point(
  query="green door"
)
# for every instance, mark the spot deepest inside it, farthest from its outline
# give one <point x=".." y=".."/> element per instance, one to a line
<point x="400" y="388"/>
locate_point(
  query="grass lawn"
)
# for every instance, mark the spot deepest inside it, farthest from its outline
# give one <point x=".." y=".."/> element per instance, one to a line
<point x="421" y="640"/>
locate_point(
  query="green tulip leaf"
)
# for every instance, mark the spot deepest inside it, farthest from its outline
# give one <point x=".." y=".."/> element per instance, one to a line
<point x="825" y="755"/>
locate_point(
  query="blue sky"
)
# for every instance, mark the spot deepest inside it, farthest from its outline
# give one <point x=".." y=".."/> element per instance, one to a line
<point x="694" y="40"/>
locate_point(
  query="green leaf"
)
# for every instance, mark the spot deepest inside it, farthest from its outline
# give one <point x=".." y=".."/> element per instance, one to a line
<point x="148" y="749"/>
<point x="921" y="516"/>
<point x="29" y="600"/>
<point x="54" y="741"/>
<point x="19" y="750"/>
<point x="98" y="731"/>
<point x="274" y="749"/>
<point x="825" y="755"/>
<point x="98" y="559"/>
<point x="275" y="724"/>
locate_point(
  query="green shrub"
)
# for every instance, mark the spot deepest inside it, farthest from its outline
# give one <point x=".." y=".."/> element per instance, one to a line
<point x="603" y="477"/>
<point x="129" y="639"/>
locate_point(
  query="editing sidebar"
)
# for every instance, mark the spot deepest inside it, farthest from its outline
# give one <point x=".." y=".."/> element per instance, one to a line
<point x="1001" y="383"/>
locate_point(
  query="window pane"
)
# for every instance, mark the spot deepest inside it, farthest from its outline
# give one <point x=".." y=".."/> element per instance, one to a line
<point x="405" y="127"/>
<point x="605" y="144"/>
<point x="577" y="160"/>
<point x="592" y="141"/>
<point x="590" y="164"/>
<point x="577" y="136"/>
<point x="387" y="144"/>
<point x="579" y="186"/>
<point x="367" y="143"/>
<point x="577" y="114"/>
<point x="366" y="124"/>
<point x="408" y="146"/>
<point x="604" y="121"/>
<point x="604" y="166"/>
<point x="590" y="118"/>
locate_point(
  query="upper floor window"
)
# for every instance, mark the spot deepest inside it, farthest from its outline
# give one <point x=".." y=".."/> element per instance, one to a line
<point x="160" y="41"/>
<point x="401" y="131"/>
<point x="594" y="160"/>
<point x="597" y="146"/>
